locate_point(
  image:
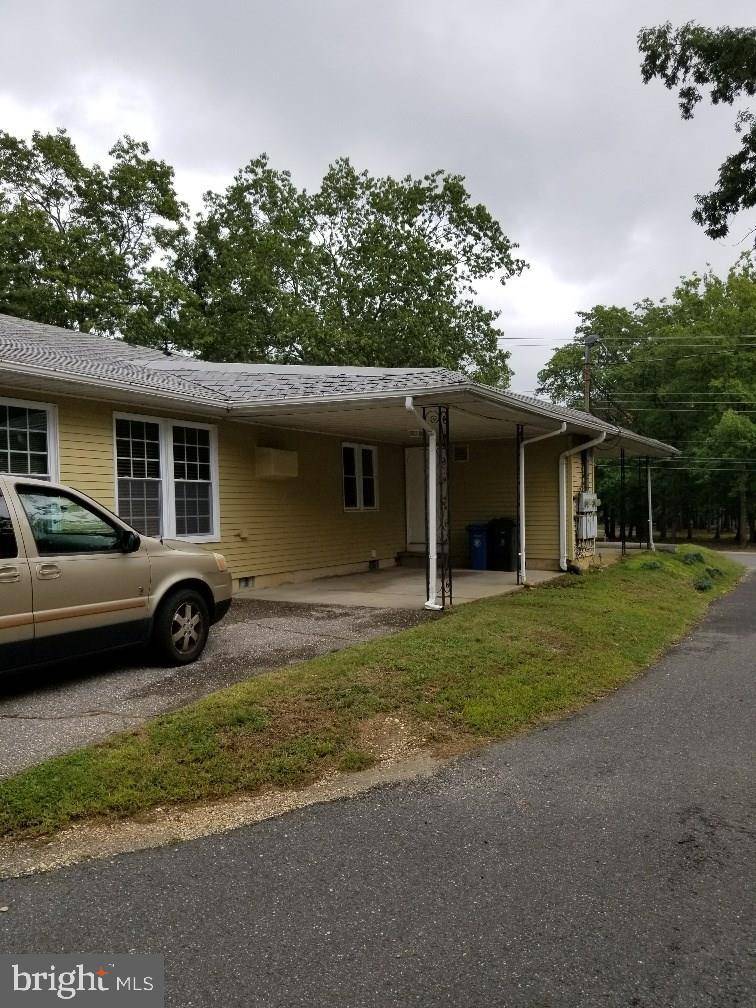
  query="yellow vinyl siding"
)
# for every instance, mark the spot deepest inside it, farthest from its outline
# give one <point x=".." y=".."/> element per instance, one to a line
<point x="85" y="439"/>
<point x="482" y="488"/>
<point x="300" y="524"/>
<point x="485" y="487"/>
<point x="271" y="527"/>
<point x="267" y="526"/>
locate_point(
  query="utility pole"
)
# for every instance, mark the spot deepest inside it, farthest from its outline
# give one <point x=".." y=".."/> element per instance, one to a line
<point x="589" y="341"/>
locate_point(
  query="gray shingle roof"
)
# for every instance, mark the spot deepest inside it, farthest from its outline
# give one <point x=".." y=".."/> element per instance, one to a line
<point x="90" y="358"/>
<point x="87" y="356"/>
<point x="242" y="383"/>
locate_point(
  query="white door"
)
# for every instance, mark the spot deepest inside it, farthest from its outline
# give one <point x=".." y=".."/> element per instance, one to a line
<point x="414" y="481"/>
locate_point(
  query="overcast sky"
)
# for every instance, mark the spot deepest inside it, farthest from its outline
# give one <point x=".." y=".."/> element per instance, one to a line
<point x="539" y="103"/>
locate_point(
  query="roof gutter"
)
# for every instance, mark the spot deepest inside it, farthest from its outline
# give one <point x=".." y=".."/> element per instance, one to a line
<point x="563" y="493"/>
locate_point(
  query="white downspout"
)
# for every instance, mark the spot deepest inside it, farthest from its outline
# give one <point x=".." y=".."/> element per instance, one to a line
<point x="563" y="494"/>
<point x="431" y="545"/>
<point x="521" y="509"/>
<point x="651" y="545"/>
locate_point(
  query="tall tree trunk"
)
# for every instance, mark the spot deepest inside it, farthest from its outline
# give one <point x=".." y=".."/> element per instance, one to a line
<point x="742" y="538"/>
<point x="673" y="527"/>
<point x="663" y="524"/>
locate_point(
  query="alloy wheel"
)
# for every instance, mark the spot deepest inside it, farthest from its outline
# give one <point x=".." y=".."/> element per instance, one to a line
<point x="186" y="627"/>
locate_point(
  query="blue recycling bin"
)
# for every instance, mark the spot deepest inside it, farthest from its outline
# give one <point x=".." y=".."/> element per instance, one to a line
<point x="478" y="540"/>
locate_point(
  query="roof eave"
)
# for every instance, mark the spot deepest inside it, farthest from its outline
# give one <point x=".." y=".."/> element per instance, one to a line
<point x="126" y="390"/>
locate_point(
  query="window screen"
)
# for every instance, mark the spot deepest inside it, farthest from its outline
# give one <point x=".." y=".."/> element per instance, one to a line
<point x="23" y="441"/>
<point x="139" y="474"/>
<point x="192" y="481"/>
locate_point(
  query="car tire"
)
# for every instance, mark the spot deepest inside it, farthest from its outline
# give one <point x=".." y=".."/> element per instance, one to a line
<point x="182" y="624"/>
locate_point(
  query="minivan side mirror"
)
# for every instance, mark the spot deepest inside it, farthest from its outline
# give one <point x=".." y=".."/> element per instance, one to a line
<point x="130" y="541"/>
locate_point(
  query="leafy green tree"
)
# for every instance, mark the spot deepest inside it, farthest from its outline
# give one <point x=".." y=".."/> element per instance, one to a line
<point x="365" y="271"/>
<point x="724" y="59"/>
<point x="671" y="369"/>
<point x="732" y="442"/>
<point x="79" y="244"/>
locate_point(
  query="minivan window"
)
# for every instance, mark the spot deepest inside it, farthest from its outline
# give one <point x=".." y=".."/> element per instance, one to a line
<point x="63" y="524"/>
<point x="8" y="545"/>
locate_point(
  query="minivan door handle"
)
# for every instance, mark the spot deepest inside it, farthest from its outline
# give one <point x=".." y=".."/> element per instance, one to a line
<point x="9" y="574"/>
<point x="48" y="571"/>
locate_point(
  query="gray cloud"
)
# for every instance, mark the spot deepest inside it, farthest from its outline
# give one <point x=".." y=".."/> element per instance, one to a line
<point x="539" y="104"/>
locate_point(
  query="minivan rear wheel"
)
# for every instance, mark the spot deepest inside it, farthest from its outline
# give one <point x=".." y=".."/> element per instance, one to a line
<point x="182" y="624"/>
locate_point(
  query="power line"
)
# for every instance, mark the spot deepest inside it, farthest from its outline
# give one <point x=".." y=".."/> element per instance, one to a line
<point x="736" y="467"/>
<point x="698" y="469"/>
<point x="706" y="394"/>
<point x="695" y="401"/>
<point x="640" y="341"/>
<point x="672" y="409"/>
<point x="693" y="469"/>
<point x="664" y="360"/>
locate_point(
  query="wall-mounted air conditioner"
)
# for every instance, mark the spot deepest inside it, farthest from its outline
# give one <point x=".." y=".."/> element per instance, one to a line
<point x="275" y="463"/>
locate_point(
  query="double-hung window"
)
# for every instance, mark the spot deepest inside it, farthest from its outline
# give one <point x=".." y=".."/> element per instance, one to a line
<point x="192" y="480"/>
<point x="167" y="477"/>
<point x="139" y="471"/>
<point x="360" y="477"/>
<point x="28" y="439"/>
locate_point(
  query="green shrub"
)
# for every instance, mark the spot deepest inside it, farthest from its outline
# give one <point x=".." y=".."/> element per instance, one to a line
<point x="703" y="584"/>
<point x="651" y="565"/>
<point x="692" y="558"/>
<point x="714" y="572"/>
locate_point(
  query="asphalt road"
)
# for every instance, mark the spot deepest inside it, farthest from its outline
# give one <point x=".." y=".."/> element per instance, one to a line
<point x="605" y="860"/>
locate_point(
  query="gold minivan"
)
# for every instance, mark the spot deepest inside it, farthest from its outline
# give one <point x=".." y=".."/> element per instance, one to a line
<point x="75" y="580"/>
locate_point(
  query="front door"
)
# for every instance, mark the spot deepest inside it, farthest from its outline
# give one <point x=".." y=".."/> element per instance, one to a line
<point x="16" y="617"/>
<point x="88" y="594"/>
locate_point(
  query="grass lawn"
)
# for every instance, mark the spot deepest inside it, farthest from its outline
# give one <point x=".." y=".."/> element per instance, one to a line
<point x="483" y="671"/>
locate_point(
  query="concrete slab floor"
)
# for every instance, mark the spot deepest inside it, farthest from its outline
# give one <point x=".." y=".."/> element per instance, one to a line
<point x="392" y="588"/>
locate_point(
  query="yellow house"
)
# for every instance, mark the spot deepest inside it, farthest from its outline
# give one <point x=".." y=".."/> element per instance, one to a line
<point x="296" y="472"/>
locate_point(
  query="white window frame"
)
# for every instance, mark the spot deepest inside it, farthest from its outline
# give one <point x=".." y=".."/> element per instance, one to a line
<point x="358" y="449"/>
<point x="53" y="454"/>
<point x="167" y="488"/>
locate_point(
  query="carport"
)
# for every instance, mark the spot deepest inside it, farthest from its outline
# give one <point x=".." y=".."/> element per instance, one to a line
<point x="547" y="449"/>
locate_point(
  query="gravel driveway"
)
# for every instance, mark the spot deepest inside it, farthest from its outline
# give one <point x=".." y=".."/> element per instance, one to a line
<point x="61" y="707"/>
